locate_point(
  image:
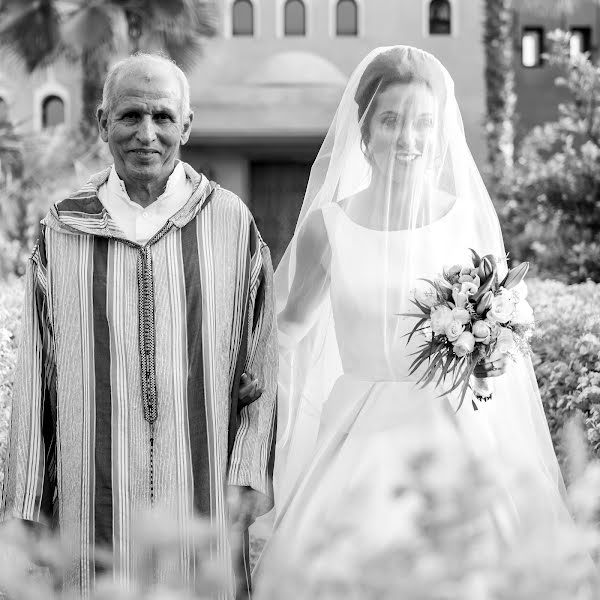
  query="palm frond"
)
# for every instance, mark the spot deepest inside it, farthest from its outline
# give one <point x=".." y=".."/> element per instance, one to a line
<point x="30" y="31"/>
<point x="91" y="28"/>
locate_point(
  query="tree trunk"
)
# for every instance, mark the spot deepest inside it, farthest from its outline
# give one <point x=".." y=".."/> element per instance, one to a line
<point x="94" y="66"/>
<point x="500" y="89"/>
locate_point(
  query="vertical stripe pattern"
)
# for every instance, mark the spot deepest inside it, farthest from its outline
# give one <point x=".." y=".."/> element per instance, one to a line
<point x="201" y="309"/>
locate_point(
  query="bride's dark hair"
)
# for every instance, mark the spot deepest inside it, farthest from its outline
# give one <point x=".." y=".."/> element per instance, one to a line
<point x="396" y="66"/>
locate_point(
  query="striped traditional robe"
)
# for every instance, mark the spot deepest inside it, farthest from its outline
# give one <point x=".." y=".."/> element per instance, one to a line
<point x="128" y="372"/>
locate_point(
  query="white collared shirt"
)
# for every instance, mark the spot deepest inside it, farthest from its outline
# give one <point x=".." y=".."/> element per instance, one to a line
<point x="139" y="224"/>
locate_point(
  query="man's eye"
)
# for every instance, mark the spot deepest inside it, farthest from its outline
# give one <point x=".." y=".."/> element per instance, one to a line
<point x="163" y="117"/>
<point x="130" y="115"/>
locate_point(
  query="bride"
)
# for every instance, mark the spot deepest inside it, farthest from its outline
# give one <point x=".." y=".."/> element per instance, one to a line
<point x="394" y="196"/>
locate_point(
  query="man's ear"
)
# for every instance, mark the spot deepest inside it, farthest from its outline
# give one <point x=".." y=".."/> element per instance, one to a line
<point x="102" y="118"/>
<point x="187" y="128"/>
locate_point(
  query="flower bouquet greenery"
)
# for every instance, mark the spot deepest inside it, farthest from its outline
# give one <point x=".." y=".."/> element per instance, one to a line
<point x="468" y="315"/>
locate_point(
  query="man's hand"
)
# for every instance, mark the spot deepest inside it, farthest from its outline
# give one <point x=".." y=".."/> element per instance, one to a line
<point x="489" y="368"/>
<point x="249" y="389"/>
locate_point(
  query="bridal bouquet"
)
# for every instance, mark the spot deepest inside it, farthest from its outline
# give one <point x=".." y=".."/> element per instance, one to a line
<point x="468" y="315"/>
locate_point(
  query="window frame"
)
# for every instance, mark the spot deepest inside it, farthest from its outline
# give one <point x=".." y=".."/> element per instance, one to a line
<point x="253" y="19"/>
<point x="281" y="5"/>
<point x="228" y="21"/>
<point x="334" y="19"/>
<point x="542" y="38"/>
<point x="454" y="21"/>
<point x="51" y="88"/>
<point x="586" y="30"/>
<point x="450" y="20"/>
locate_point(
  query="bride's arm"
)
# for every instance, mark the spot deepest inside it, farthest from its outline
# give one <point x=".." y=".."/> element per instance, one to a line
<point x="310" y="284"/>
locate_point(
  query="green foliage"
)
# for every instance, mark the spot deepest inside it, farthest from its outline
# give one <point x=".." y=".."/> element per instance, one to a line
<point x="553" y="216"/>
<point x="55" y="163"/>
<point x="32" y="566"/>
<point x="40" y="31"/>
<point x="11" y="300"/>
<point x="566" y="357"/>
<point x="432" y="524"/>
<point x="500" y="86"/>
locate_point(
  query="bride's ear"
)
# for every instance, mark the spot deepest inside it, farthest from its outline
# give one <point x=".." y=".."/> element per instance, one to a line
<point x="366" y="152"/>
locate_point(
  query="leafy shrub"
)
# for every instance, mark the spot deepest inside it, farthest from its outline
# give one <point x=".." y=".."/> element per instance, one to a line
<point x="54" y="165"/>
<point x="551" y="211"/>
<point x="436" y="551"/>
<point x="566" y="357"/>
<point x="413" y="522"/>
<point x="11" y="300"/>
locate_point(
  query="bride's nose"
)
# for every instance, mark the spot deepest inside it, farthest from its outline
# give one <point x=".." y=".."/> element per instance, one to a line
<point x="405" y="136"/>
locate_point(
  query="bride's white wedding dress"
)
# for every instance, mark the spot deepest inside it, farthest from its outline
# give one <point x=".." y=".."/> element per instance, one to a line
<point x="346" y="397"/>
<point x="376" y="402"/>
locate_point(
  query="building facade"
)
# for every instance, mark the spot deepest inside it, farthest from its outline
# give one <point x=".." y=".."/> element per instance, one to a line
<point x="267" y="86"/>
<point x="537" y="95"/>
<point x="267" y="89"/>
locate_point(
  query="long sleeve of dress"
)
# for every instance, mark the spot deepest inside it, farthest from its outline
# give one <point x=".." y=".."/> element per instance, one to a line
<point x="29" y="489"/>
<point x="251" y="460"/>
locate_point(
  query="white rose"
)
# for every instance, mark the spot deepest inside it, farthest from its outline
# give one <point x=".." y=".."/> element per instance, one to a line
<point x="464" y="344"/>
<point x="441" y="316"/>
<point x="523" y="314"/>
<point x="502" y="309"/>
<point x="461" y="315"/>
<point x="482" y="332"/>
<point x="453" y="330"/>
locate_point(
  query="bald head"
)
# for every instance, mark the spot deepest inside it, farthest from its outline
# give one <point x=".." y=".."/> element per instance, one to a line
<point x="141" y="63"/>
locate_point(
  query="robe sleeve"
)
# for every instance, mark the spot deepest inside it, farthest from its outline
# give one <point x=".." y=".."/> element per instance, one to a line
<point x="252" y="457"/>
<point x="29" y="489"/>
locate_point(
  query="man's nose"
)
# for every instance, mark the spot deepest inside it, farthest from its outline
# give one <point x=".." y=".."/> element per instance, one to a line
<point x="146" y="131"/>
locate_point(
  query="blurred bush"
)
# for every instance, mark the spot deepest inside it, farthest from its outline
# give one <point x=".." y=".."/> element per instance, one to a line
<point x="11" y="300"/>
<point x="54" y="164"/>
<point x="33" y="563"/>
<point x="413" y="521"/>
<point x="550" y="205"/>
<point x="566" y="358"/>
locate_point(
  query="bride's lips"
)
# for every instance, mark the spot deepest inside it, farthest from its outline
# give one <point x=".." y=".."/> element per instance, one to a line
<point x="407" y="156"/>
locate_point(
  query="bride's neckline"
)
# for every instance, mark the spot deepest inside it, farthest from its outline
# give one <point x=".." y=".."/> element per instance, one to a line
<point x="420" y="228"/>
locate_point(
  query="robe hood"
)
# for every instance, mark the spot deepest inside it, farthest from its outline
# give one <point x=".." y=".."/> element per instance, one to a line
<point x="82" y="213"/>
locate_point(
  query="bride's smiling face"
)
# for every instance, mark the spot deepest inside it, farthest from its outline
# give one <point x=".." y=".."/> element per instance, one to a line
<point x="401" y="128"/>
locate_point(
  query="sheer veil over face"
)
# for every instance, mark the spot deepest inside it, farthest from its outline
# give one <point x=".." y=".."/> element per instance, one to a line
<point x="396" y="171"/>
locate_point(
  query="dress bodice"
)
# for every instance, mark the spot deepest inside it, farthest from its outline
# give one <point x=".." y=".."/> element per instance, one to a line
<point x="370" y="289"/>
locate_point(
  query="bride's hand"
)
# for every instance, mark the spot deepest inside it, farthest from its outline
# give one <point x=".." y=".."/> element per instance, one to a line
<point x="488" y="368"/>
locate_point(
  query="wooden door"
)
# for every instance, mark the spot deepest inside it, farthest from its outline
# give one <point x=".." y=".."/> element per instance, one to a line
<point x="277" y="191"/>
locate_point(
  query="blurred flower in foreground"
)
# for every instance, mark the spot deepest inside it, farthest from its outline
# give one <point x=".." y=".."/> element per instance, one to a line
<point x="33" y="564"/>
<point x="421" y="520"/>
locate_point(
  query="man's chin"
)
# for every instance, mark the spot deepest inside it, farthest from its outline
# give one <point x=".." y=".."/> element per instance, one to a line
<point x="144" y="172"/>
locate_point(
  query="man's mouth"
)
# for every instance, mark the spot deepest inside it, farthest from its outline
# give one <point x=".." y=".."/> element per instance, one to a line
<point x="143" y="151"/>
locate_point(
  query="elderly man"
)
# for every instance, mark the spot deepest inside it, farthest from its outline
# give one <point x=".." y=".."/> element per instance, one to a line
<point x="149" y="298"/>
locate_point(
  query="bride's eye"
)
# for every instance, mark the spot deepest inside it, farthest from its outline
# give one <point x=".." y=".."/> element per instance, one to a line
<point x="424" y="123"/>
<point x="390" y="121"/>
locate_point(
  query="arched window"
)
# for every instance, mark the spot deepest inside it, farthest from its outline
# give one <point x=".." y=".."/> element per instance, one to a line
<point x="53" y="111"/>
<point x="532" y="46"/>
<point x="294" y="18"/>
<point x="580" y="41"/>
<point x="4" y="117"/>
<point x="346" y="17"/>
<point x="440" y="17"/>
<point x="242" y="18"/>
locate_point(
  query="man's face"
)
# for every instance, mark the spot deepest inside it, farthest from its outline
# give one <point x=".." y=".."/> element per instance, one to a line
<point x="145" y="124"/>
